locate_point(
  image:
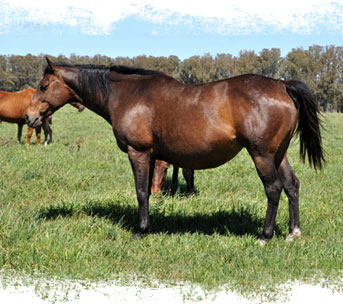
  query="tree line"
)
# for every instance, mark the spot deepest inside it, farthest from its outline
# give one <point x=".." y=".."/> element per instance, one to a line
<point x="321" y="67"/>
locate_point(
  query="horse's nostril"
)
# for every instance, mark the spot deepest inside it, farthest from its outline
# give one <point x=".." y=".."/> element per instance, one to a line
<point x="26" y="117"/>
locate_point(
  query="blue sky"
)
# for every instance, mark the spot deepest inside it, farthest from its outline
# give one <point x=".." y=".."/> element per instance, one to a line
<point x="162" y="28"/>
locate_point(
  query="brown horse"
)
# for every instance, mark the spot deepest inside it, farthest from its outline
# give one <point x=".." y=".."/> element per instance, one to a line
<point x="160" y="173"/>
<point x="154" y="116"/>
<point x="47" y="132"/>
<point x="12" y="109"/>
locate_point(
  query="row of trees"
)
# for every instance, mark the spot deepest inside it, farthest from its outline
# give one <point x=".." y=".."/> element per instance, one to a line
<point x="321" y="67"/>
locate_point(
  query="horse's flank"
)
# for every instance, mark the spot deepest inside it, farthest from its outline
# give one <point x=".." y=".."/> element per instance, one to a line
<point x="13" y="105"/>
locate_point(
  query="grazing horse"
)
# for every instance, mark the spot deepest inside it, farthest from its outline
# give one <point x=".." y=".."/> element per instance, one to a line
<point x="47" y="132"/>
<point x="160" y="173"/>
<point x="154" y="116"/>
<point x="12" y="109"/>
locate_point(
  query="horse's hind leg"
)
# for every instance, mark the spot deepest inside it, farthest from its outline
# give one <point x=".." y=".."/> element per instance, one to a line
<point x="175" y="178"/>
<point x="20" y="130"/>
<point x="50" y="134"/>
<point x="188" y="174"/>
<point x="291" y="187"/>
<point x="47" y="132"/>
<point x="266" y="169"/>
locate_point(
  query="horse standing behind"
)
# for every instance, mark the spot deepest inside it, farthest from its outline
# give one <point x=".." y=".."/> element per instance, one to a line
<point x="12" y="109"/>
<point x="155" y="117"/>
<point x="160" y="173"/>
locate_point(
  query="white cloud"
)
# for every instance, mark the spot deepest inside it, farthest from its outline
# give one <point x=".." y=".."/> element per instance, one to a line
<point x="224" y="16"/>
<point x="92" y="17"/>
<point x="250" y="16"/>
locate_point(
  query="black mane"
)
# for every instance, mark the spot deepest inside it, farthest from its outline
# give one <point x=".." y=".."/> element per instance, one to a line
<point x="125" y="70"/>
<point x="94" y="79"/>
<point x="132" y="70"/>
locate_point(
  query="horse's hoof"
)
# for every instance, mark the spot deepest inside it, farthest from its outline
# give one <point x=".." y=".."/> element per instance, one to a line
<point x="139" y="235"/>
<point x="295" y="234"/>
<point x="262" y="242"/>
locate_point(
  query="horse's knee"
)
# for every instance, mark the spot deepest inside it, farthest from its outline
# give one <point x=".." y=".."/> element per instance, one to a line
<point x="142" y="196"/>
<point x="273" y="190"/>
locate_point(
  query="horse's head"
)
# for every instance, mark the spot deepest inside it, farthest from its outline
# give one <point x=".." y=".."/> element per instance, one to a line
<point x="52" y="93"/>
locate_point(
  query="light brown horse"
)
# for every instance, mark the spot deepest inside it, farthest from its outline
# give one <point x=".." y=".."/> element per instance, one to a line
<point x="154" y="116"/>
<point x="12" y="109"/>
<point x="160" y="173"/>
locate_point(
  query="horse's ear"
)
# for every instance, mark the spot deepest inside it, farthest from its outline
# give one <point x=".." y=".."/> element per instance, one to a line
<point x="51" y="64"/>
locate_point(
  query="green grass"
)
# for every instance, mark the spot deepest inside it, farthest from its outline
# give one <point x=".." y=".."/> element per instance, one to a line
<point x="69" y="211"/>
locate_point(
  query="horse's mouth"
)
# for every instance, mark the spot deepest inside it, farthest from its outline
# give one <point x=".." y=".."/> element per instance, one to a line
<point x="33" y="122"/>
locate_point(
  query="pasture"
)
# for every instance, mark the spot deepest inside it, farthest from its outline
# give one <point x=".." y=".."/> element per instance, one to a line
<point x="69" y="210"/>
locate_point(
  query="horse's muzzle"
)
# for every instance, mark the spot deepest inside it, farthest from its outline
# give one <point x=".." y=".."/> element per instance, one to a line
<point x="81" y="108"/>
<point x="32" y="121"/>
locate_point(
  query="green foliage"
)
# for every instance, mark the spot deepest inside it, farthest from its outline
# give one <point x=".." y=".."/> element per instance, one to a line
<point x="69" y="210"/>
<point x="19" y="72"/>
<point x="321" y="68"/>
<point x="269" y="62"/>
<point x="197" y="69"/>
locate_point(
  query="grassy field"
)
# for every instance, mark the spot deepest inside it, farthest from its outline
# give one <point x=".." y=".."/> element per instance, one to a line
<point x="69" y="211"/>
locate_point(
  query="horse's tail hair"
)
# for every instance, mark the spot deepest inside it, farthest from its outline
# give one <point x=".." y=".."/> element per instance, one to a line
<point x="308" y="122"/>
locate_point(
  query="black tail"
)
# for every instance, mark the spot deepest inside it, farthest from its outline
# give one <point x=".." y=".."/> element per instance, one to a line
<point x="308" y="122"/>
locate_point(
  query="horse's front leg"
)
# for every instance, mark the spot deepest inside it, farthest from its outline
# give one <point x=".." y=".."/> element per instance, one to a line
<point x="28" y="135"/>
<point x="143" y="168"/>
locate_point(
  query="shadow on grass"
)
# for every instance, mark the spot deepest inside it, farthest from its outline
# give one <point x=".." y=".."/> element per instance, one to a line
<point x="238" y="222"/>
<point x="52" y="212"/>
<point x="170" y="189"/>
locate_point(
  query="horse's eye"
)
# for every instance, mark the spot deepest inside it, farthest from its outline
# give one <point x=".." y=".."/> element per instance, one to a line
<point x="43" y="87"/>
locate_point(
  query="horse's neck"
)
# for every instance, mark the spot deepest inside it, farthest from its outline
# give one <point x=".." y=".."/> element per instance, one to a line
<point x="97" y="106"/>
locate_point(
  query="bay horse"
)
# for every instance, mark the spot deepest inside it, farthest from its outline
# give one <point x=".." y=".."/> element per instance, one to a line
<point x="12" y="109"/>
<point x="155" y="117"/>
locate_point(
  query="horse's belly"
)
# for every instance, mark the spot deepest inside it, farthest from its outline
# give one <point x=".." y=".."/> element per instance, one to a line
<point x="12" y="119"/>
<point x="200" y="158"/>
